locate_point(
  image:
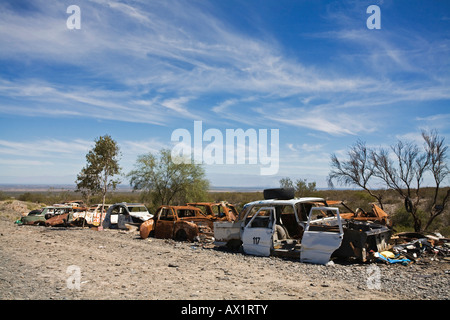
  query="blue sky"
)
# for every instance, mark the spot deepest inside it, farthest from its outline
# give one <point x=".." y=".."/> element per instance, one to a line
<point x="138" y="70"/>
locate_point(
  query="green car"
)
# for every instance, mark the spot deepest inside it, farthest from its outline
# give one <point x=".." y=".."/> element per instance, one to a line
<point x="38" y="217"/>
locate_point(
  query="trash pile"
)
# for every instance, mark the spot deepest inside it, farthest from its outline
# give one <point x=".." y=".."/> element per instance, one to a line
<point x="410" y="247"/>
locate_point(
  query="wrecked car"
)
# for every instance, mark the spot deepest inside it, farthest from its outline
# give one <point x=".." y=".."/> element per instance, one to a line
<point x="120" y="215"/>
<point x="77" y="217"/>
<point x="291" y="219"/>
<point x="222" y="211"/>
<point x="263" y="236"/>
<point x="39" y="217"/>
<point x="61" y="220"/>
<point x="182" y="223"/>
<point x="92" y="215"/>
<point x="377" y="214"/>
<point x="76" y="204"/>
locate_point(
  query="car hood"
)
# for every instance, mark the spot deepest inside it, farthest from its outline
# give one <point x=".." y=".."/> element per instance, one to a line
<point x="144" y="216"/>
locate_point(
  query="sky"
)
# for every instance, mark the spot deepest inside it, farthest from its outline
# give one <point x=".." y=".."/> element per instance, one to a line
<point x="315" y="72"/>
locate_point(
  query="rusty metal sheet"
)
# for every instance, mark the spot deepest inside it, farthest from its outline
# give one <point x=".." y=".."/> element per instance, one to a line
<point x="59" y="220"/>
<point x="376" y="214"/>
<point x="145" y="228"/>
<point x="221" y="211"/>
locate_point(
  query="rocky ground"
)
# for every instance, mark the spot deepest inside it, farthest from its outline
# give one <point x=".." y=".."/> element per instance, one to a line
<point x="84" y="264"/>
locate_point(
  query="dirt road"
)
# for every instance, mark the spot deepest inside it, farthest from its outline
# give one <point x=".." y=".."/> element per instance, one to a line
<point x="74" y="263"/>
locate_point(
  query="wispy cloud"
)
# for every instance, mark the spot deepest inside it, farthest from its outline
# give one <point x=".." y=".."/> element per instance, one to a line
<point x="152" y="62"/>
<point x="331" y="120"/>
<point x="159" y="62"/>
<point x="166" y="63"/>
<point x="138" y="147"/>
<point x="45" y="148"/>
<point x="437" y="121"/>
<point x="24" y="163"/>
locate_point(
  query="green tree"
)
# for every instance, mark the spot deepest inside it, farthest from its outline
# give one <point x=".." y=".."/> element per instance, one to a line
<point x="97" y="177"/>
<point x="286" y="183"/>
<point x="302" y="186"/>
<point x="168" y="182"/>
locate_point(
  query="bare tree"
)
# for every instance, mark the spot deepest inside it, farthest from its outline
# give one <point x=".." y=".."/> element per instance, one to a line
<point x="437" y="155"/>
<point x="404" y="174"/>
<point x="357" y="170"/>
<point x="402" y="168"/>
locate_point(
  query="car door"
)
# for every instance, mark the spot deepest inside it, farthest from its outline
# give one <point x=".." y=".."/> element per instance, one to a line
<point x="114" y="216"/>
<point x="257" y="235"/>
<point x="165" y="223"/>
<point x="318" y="246"/>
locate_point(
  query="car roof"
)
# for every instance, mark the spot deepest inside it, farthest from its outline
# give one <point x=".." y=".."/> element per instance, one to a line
<point x="180" y="207"/>
<point x="286" y="202"/>
<point x="129" y="204"/>
<point x="57" y="207"/>
<point x="208" y="203"/>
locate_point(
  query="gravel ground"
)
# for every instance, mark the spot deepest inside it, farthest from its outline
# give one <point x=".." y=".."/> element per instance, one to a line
<point x="41" y="263"/>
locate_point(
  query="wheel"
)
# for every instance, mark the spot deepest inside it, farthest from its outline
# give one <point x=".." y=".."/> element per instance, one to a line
<point x="181" y="235"/>
<point x="234" y="244"/>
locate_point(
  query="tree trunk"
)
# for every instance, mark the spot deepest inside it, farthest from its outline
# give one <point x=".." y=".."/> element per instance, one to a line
<point x="104" y="189"/>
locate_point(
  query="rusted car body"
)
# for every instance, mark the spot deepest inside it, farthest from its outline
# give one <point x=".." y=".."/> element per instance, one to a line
<point x="62" y="220"/>
<point x="179" y="223"/>
<point x="376" y="214"/>
<point x="220" y="211"/>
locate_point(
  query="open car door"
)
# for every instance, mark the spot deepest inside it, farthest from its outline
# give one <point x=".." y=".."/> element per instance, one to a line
<point x="321" y="237"/>
<point x="257" y="236"/>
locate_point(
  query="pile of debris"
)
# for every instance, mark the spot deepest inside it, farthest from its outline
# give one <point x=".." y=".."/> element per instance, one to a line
<point x="410" y="247"/>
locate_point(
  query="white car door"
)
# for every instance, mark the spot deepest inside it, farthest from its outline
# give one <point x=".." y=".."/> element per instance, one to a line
<point x="318" y="246"/>
<point x="257" y="236"/>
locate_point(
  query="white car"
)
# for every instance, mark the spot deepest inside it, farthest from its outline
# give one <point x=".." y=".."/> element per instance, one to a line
<point x="120" y="214"/>
<point x="303" y="227"/>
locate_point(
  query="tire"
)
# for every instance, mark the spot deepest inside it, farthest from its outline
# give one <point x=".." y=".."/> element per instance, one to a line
<point x="181" y="235"/>
<point x="279" y="193"/>
<point x="234" y="245"/>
